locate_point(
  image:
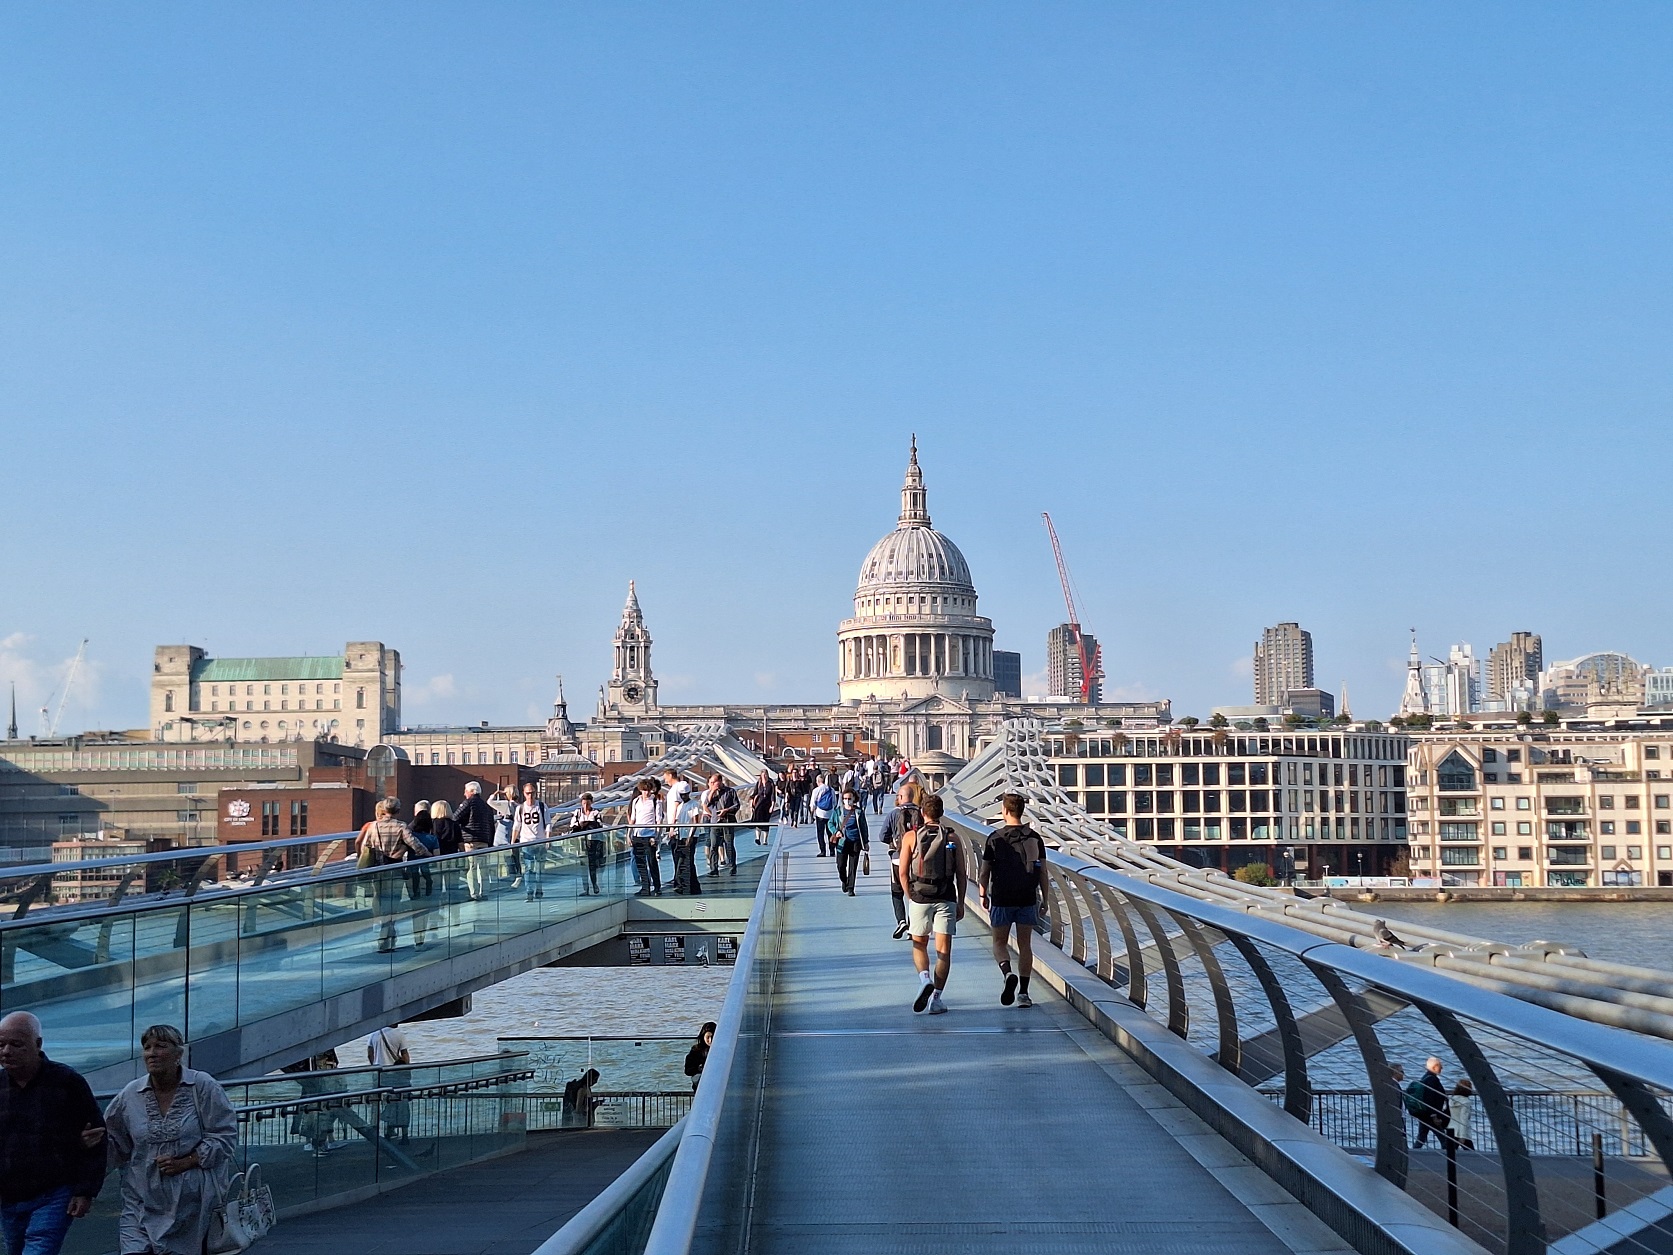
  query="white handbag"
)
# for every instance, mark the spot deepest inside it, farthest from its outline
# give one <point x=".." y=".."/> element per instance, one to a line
<point x="245" y="1215"/>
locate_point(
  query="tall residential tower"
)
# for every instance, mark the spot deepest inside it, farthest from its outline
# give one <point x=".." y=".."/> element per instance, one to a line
<point x="1283" y="662"/>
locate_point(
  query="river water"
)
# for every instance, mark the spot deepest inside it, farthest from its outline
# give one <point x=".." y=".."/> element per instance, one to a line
<point x="570" y="1002"/>
<point x="1622" y="932"/>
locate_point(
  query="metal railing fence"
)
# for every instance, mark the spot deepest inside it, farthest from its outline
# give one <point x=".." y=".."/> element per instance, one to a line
<point x="1265" y="1000"/>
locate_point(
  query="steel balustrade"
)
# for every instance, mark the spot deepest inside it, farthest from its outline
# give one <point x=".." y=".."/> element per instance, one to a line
<point x="1101" y="902"/>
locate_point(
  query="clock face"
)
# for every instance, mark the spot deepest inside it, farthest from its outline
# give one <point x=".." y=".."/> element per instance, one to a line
<point x="633" y="692"/>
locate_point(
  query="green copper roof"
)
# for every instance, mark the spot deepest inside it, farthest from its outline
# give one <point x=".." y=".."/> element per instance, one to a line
<point x="244" y="670"/>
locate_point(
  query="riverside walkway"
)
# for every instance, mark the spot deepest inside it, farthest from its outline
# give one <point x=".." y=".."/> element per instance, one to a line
<point x="953" y="1132"/>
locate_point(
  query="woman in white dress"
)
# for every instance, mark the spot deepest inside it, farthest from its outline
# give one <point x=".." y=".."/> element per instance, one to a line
<point x="172" y="1137"/>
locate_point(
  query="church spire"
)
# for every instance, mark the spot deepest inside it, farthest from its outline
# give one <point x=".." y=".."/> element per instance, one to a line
<point x="914" y="500"/>
<point x="11" y="728"/>
<point x="631" y="612"/>
<point x="1412" y="701"/>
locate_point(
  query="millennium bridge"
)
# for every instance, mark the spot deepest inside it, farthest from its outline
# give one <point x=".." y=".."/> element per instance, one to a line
<point x="1209" y="1066"/>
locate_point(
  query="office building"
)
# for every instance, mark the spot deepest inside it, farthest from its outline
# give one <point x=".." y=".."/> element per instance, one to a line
<point x="161" y="795"/>
<point x="1007" y="673"/>
<point x="1283" y="661"/>
<point x="1452" y="687"/>
<point x="1658" y="688"/>
<point x="1600" y="679"/>
<point x="1333" y="801"/>
<point x="1521" y="807"/>
<point x="1065" y="647"/>
<point x="353" y="697"/>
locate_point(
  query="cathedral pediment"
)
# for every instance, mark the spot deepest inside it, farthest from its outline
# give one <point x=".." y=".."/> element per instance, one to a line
<point x="935" y="704"/>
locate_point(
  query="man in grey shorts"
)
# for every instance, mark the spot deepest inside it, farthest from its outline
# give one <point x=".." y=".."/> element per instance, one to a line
<point x="932" y="878"/>
<point x="1012" y="882"/>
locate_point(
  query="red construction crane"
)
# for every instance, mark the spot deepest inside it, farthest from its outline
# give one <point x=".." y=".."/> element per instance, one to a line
<point x="1091" y="665"/>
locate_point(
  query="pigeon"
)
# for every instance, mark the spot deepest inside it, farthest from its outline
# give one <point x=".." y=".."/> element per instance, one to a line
<point x="1385" y="935"/>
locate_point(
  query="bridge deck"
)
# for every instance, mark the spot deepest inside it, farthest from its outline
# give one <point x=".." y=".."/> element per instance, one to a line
<point x="985" y="1129"/>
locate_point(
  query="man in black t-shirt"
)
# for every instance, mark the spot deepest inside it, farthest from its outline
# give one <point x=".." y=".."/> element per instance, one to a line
<point x="1012" y="882"/>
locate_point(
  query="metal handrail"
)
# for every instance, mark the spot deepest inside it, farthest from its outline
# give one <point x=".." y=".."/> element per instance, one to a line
<point x="1595" y="1044"/>
<point x="330" y="875"/>
<point x="682" y="1199"/>
<point x="359" y="1069"/>
<point x="588" y="1224"/>
<point x="23" y="870"/>
<point x="338" y="1098"/>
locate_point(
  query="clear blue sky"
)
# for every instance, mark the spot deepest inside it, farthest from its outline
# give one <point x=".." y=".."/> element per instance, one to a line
<point x="437" y="323"/>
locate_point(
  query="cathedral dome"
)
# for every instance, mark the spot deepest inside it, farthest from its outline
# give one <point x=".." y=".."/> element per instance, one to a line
<point x="909" y="557"/>
<point x="915" y="631"/>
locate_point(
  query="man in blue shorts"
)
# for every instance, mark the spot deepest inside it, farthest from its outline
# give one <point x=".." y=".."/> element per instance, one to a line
<point x="1012" y="883"/>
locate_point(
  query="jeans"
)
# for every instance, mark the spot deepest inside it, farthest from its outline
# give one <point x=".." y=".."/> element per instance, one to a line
<point x="595" y="861"/>
<point x="684" y="848"/>
<point x="38" y="1225"/>
<point x="897" y="896"/>
<point x="723" y="839"/>
<point x="819" y="830"/>
<point x="645" y="860"/>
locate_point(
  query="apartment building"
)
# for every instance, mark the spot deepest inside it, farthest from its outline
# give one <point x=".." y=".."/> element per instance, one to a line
<point x="1571" y="806"/>
<point x="1326" y="803"/>
<point x="1283" y="661"/>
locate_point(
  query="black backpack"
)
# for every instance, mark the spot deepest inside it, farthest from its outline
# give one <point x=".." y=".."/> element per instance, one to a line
<point x="932" y="872"/>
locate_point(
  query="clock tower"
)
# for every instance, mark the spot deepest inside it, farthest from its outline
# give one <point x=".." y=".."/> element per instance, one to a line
<point x="632" y="689"/>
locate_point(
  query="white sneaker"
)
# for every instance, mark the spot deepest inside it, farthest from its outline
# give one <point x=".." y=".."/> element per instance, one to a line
<point x="936" y="1006"/>
<point x="1023" y="1000"/>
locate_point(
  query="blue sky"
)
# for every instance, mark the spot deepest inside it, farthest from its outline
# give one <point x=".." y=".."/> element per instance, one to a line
<point x="437" y="323"/>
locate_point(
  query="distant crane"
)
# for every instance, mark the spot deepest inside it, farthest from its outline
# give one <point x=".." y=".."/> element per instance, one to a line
<point x="1091" y="665"/>
<point x="50" y="726"/>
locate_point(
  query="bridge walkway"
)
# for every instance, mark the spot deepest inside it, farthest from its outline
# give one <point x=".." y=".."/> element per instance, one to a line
<point x="504" y="1206"/>
<point x="989" y="1128"/>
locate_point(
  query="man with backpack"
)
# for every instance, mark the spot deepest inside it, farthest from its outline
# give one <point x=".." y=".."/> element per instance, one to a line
<point x="1011" y="882"/>
<point x="905" y="818"/>
<point x="824" y="802"/>
<point x="932" y="877"/>
<point x="1426" y="1100"/>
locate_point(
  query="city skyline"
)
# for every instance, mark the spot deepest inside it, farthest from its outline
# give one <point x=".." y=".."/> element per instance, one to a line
<point x="296" y="356"/>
